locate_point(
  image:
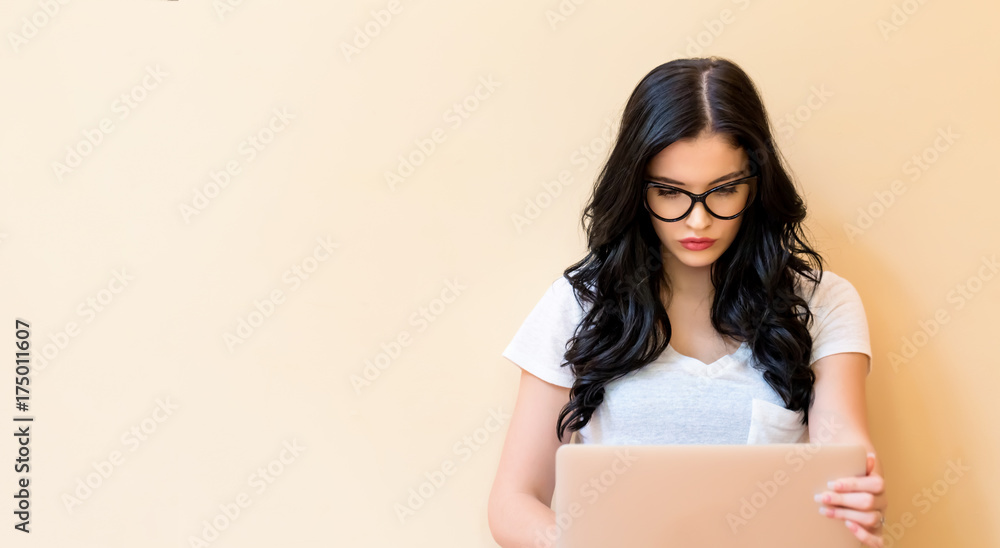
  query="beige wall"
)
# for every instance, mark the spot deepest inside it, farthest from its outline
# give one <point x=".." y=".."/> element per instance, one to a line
<point x="442" y="239"/>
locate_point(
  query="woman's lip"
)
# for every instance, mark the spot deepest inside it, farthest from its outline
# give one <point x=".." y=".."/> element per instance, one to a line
<point x="697" y="246"/>
<point x="697" y="240"/>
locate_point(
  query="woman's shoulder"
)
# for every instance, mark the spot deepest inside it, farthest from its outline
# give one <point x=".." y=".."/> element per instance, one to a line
<point x="839" y="323"/>
<point x="564" y="293"/>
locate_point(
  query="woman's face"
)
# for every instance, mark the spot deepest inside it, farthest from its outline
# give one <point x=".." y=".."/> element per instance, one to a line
<point x="697" y="165"/>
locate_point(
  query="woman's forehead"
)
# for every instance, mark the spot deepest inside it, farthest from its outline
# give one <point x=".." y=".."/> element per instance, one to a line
<point x="697" y="163"/>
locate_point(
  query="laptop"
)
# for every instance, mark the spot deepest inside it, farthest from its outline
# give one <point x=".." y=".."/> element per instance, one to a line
<point x="719" y="496"/>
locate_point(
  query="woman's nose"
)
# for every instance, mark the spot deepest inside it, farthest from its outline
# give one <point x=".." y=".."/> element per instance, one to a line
<point x="699" y="216"/>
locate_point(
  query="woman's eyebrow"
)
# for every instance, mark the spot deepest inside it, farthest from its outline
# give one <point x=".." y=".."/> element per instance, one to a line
<point x="719" y="180"/>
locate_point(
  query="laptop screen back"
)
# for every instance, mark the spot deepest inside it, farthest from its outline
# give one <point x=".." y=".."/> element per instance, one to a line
<point x="747" y="496"/>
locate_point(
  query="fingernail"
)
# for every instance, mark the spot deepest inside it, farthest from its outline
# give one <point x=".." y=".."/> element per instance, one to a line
<point x="818" y="498"/>
<point x="832" y="484"/>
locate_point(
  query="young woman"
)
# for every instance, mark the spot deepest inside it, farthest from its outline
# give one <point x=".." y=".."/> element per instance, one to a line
<point x="696" y="317"/>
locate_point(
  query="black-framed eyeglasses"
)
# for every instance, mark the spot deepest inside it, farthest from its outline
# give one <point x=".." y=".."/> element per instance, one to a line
<point x="728" y="201"/>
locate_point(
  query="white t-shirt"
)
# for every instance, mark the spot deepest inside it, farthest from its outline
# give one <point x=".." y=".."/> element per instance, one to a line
<point x="677" y="399"/>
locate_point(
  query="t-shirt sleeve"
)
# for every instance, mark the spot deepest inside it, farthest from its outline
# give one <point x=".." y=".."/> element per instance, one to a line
<point x="540" y="343"/>
<point x="839" y="321"/>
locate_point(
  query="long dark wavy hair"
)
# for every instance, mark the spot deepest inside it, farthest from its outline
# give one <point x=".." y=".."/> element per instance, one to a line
<point x="755" y="300"/>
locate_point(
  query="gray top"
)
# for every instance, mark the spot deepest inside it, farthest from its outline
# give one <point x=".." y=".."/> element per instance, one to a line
<point x="677" y="399"/>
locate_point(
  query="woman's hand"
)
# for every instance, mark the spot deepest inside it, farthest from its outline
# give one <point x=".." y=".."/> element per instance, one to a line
<point x="860" y="502"/>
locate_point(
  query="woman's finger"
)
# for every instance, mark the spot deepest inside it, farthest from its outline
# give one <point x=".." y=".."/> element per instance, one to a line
<point x="869" y="519"/>
<point x="858" y="500"/>
<point x="872" y="484"/>
<point x="864" y="535"/>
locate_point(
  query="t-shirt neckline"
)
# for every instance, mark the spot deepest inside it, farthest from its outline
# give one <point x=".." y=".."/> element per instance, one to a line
<point x="726" y="358"/>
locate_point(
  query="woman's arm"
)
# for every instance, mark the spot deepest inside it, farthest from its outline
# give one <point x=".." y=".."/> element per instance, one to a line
<point x="839" y="415"/>
<point x="519" y="511"/>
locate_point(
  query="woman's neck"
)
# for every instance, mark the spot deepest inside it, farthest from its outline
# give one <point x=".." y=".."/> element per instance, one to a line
<point x="688" y="285"/>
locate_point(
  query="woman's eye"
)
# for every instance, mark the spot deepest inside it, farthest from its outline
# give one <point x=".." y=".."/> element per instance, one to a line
<point x="667" y="192"/>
